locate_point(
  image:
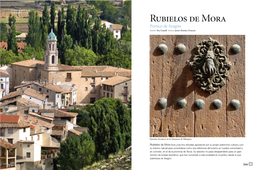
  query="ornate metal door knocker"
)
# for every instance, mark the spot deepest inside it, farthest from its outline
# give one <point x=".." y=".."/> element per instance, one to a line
<point x="210" y="65"/>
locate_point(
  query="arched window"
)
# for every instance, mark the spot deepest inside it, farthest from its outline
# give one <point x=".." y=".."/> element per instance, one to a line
<point x="53" y="47"/>
<point x="53" y="59"/>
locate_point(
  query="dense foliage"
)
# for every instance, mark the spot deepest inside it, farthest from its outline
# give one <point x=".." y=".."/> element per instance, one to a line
<point x="3" y="32"/>
<point x="77" y="34"/>
<point x="76" y="152"/>
<point x="109" y="125"/>
<point x="11" y="41"/>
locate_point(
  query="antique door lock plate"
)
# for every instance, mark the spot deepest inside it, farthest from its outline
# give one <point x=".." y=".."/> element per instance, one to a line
<point x="210" y="66"/>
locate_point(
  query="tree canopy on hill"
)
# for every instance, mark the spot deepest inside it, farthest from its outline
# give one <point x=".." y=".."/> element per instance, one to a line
<point x="109" y="124"/>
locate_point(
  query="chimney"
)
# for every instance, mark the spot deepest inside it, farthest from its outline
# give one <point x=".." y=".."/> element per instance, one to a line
<point x="45" y="82"/>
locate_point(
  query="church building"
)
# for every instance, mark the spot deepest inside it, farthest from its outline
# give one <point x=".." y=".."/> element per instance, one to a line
<point x="86" y="79"/>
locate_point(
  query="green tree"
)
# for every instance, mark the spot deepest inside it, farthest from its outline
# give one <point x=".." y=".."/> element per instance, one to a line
<point x="3" y="33"/>
<point x="76" y="152"/>
<point x="117" y="58"/>
<point x="11" y="42"/>
<point x="80" y="56"/>
<point x="110" y="13"/>
<point x="61" y="25"/>
<point x="126" y="13"/>
<point x="102" y="45"/>
<point x="71" y="21"/>
<point x="45" y="17"/>
<point x="30" y="52"/>
<point x="95" y="35"/>
<point x="52" y="17"/>
<point x="45" y="26"/>
<point x="9" y="57"/>
<point x="87" y="42"/>
<point x="65" y="45"/>
<point x="94" y="13"/>
<point x="105" y="127"/>
<point x="34" y="36"/>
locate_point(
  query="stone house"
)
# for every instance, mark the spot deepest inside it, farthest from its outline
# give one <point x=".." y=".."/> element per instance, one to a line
<point x="56" y="96"/>
<point x="117" y="87"/>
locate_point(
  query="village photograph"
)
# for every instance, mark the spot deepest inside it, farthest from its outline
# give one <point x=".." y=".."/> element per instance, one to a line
<point x="66" y="89"/>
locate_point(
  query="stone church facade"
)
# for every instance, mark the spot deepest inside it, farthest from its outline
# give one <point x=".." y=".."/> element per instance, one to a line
<point x="87" y="79"/>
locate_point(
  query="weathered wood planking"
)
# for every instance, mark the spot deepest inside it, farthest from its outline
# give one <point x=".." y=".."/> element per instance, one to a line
<point x="210" y="121"/>
<point x="171" y="77"/>
<point x="177" y="83"/>
<point x="236" y="88"/>
<point x="156" y="86"/>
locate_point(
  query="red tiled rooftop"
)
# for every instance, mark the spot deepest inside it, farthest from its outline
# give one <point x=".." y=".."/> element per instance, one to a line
<point x="6" y="144"/>
<point x="9" y="118"/>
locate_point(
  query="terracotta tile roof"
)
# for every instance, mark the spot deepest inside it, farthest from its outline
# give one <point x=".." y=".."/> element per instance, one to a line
<point x="40" y="116"/>
<point x="4" y="45"/>
<point x="22" y="85"/>
<point x="11" y="95"/>
<point x="104" y="71"/>
<point x="35" y="120"/>
<point x="35" y="133"/>
<point x="55" y="88"/>
<point x="21" y="46"/>
<point x="7" y="102"/>
<point x="4" y="73"/>
<point x="11" y="121"/>
<point x="75" y="132"/>
<point x="35" y="94"/>
<point x="6" y="144"/>
<point x="116" y="26"/>
<point x="115" y="80"/>
<point x="26" y="103"/>
<point x="58" y="113"/>
<point x="26" y="141"/>
<point x="9" y="118"/>
<point x="57" y="132"/>
<point x="28" y="63"/>
<point x="63" y="67"/>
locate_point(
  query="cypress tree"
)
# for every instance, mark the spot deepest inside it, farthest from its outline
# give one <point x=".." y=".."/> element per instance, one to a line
<point x="53" y="16"/>
<point x="11" y="41"/>
<point x="45" y="17"/>
<point x="34" y="35"/>
<point x="71" y="21"/>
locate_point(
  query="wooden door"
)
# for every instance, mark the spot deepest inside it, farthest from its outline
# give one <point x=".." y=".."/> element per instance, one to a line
<point x="171" y="78"/>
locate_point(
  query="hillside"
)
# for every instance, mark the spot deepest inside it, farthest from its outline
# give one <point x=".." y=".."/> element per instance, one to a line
<point x="120" y="161"/>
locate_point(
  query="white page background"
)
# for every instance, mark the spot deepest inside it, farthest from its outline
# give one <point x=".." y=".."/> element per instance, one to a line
<point x="242" y="17"/>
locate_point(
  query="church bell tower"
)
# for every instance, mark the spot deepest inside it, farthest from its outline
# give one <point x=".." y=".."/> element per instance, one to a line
<point x="51" y="53"/>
